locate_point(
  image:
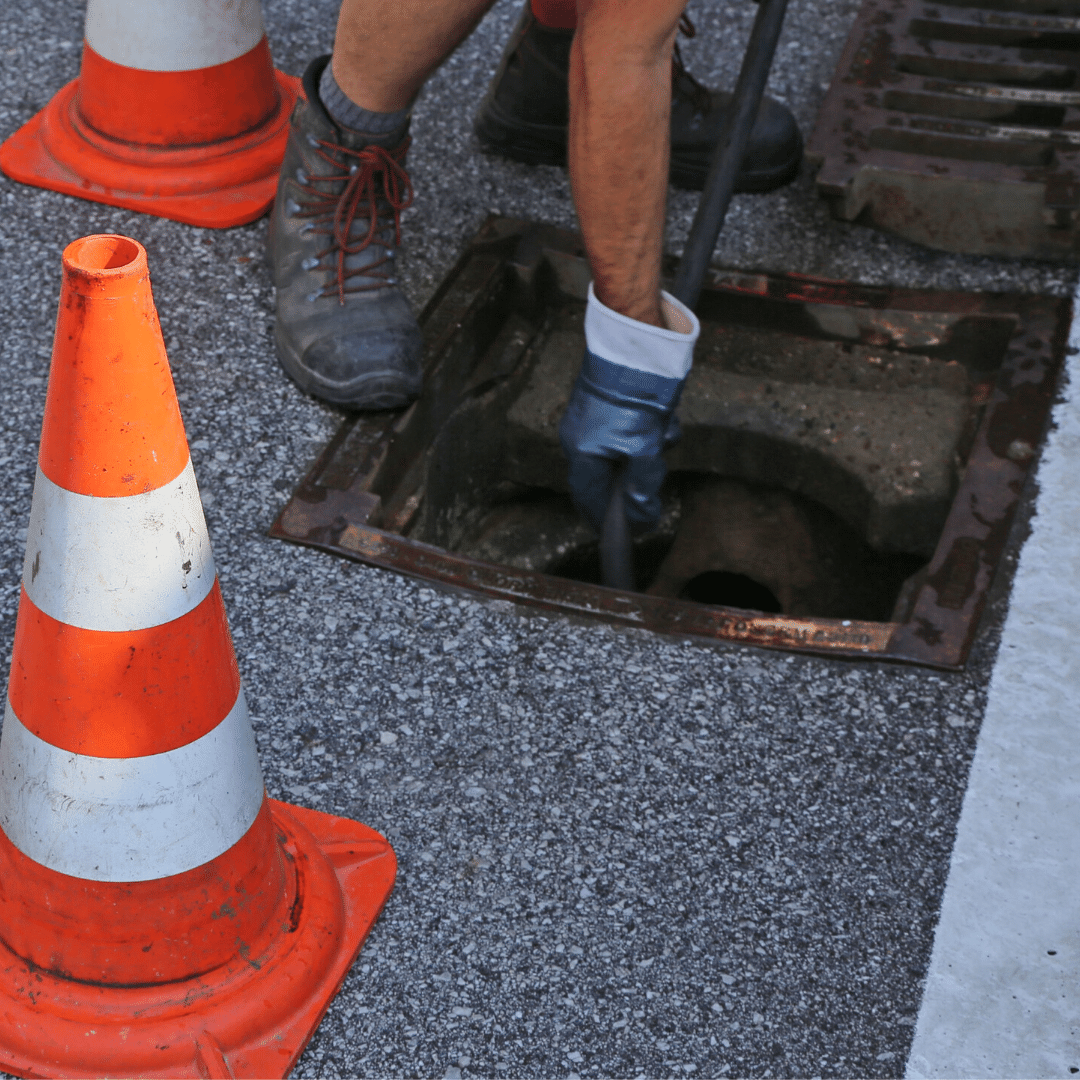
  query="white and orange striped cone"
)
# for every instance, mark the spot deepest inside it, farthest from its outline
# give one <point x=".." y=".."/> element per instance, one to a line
<point x="159" y="916"/>
<point x="177" y="112"/>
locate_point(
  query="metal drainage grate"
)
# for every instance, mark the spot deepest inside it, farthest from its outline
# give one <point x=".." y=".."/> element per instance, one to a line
<point x="958" y="125"/>
<point x="850" y="465"/>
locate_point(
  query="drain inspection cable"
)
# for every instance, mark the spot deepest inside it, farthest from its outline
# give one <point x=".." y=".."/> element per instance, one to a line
<point x="616" y="548"/>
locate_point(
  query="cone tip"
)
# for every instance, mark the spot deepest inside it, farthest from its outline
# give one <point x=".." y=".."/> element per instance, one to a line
<point x="104" y="260"/>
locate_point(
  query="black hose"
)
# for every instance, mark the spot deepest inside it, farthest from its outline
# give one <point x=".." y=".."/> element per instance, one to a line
<point x="729" y="152"/>
<point x="616" y="548"/>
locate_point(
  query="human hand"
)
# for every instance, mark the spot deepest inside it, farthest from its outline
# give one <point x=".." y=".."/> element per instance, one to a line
<point x="619" y="416"/>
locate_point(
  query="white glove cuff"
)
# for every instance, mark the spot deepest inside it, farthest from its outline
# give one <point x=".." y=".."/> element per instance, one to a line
<point x="620" y="340"/>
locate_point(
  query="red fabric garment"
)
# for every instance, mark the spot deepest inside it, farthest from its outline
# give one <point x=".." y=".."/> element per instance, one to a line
<point x="556" y="14"/>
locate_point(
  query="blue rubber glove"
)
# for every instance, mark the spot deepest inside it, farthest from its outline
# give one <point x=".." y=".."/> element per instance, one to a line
<point x="622" y="409"/>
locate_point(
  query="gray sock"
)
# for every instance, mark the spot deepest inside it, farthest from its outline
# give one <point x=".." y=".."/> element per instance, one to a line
<point x="385" y="128"/>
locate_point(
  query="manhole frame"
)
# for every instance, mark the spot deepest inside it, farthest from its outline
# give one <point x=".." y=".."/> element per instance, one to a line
<point x="948" y="608"/>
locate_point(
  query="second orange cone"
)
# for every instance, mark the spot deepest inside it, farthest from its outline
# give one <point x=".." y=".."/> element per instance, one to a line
<point x="177" y="112"/>
<point x="159" y="916"/>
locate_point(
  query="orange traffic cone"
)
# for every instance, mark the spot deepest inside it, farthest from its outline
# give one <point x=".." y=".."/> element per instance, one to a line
<point x="159" y="916"/>
<point x="177" y="112"/>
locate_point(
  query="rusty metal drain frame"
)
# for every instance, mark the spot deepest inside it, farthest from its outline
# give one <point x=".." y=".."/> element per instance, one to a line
<point x="333" y="508"/>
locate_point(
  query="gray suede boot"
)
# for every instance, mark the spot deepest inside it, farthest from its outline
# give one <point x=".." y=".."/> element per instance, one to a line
<point x="345" y="332"/>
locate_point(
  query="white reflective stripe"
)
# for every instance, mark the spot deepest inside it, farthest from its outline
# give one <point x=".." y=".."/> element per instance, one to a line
<point x="123" y="563"/>
<point x="129" y="819"/>
<point x="622" y="340"/>
<point x="173" y="35"/>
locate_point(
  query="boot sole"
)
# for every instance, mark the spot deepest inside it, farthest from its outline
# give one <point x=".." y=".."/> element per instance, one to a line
<point x="543" y="144"/>
<point x="345" y="397"/>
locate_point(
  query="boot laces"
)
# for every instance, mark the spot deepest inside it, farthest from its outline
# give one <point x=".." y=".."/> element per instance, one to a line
<point x="699" y="95"/>
<point x="376" y="189"/>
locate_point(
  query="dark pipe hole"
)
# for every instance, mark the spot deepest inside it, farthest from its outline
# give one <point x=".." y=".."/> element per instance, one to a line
<point x="724" y="589"/>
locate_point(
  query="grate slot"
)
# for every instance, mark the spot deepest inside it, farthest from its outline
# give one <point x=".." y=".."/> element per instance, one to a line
<point x="1006" y="17"/>
<point x="1064" y="139"/>
<point x="1016" y="32"/>
<point x="1065" y="8"/>
<point x="1027" y="95"/>
<point x="930" y="144"/>
<point x="1003" y="72"/>
<point x="971" y="108"/>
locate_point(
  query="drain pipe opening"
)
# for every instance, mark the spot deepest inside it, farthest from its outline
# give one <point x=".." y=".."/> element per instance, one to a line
<point x="722" y="588"/>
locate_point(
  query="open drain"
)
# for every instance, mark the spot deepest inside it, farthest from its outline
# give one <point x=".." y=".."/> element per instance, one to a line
<point x="958" y="125"/>
<point x="850" y="462"/>
<point x="723" y="588"/>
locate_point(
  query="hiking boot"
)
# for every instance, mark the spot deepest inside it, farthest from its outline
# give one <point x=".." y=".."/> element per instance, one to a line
<point x="526" y="111"/>
<point x="345" y="331"/>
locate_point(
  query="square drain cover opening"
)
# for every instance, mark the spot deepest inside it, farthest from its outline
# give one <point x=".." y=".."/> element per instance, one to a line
<point x="850" y="464"/>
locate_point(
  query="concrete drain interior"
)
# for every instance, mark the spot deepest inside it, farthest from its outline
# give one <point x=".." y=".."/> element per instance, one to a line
<point x="813" y="477"/>
<point x="827" y="429"/>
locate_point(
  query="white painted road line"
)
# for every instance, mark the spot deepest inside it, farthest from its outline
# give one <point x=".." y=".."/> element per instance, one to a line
<point x="1002" y="995"/>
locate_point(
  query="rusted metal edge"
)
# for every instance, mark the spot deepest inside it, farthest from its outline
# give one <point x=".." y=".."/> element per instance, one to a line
<point x="388" y="551"/>
<point x="949" y="605"/>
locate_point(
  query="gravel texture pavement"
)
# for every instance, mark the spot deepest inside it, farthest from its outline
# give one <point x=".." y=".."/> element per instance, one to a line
<point x="619" y="854"/>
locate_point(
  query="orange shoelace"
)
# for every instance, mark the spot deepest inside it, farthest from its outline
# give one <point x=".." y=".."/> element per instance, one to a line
<point x="376" y="187"/>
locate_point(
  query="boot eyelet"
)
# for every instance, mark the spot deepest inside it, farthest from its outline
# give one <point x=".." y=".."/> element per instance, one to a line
<point x="310" y="262"/>
<point x="312" y="141"/>
<point x="301" y="176"/>
<point x="292" y="207"/>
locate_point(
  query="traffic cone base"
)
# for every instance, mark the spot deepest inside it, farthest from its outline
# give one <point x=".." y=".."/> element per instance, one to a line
<point x="251" y="1016"/>
<point x="214" y="185"/>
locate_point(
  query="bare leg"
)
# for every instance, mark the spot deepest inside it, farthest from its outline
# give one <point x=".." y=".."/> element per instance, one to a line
<point x="620" y="109"/>
<point x="384" y="51"/>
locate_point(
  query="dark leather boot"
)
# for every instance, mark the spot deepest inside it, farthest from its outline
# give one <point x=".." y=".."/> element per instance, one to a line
<point x="345" y="332"/>
<point x="525" y="116"/>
